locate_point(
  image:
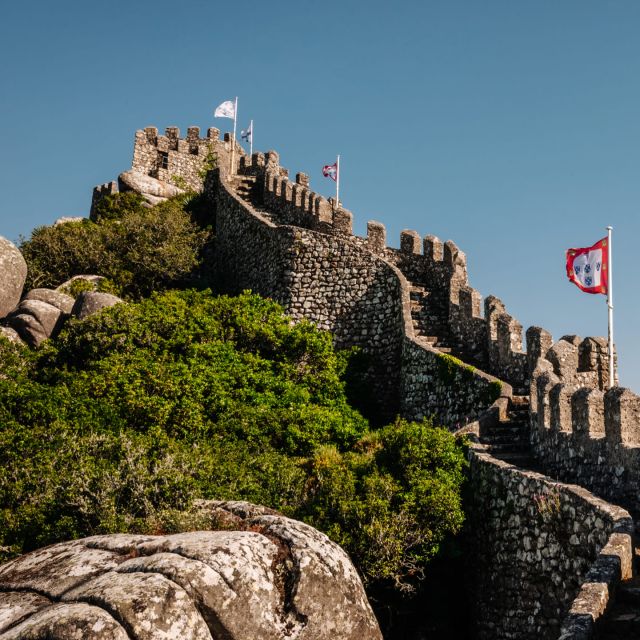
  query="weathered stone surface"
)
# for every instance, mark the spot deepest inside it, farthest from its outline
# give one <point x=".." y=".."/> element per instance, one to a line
<point x="13" y="273"/>
<point x="90" y="302"/>
<point x="68" y="622"/>
<point x="15" y="605"/>
<point x="51" y="296"/>
<point x="35" y="321"/>
<point x="273" y="578"/>
<point x="150" y="606"/>
<point x="145" y="185"/>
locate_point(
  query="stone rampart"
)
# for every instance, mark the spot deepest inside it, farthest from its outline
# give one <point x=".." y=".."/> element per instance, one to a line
<point x="546" y="555"/>
<point x="342" y="286"/>
<point x="181" y="161"/>
<point x="581" y="431"/>
<point x="492" y="342"/>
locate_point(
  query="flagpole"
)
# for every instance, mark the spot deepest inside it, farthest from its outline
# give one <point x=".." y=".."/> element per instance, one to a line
<point x="610" y="306"/>
<point x="251" y="139"/>
<point x="233" y="141"/>
<point x="338" y="181"/>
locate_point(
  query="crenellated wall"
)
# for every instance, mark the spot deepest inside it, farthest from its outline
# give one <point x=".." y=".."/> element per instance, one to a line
<point x="453" y="310"/>
<point x="322" y="273"/>
<point x="581" y="431"/>
<point x="173" y="159"/>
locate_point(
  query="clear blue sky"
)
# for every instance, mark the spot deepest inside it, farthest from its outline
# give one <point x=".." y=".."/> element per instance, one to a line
<point x="509" y="126"/>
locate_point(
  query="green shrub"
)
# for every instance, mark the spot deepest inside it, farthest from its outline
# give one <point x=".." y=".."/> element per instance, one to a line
<point x="118" y="205"/>
<point x="391" y="504"/>
<point x="127" y="417"/>
<point x="140" y="250"/>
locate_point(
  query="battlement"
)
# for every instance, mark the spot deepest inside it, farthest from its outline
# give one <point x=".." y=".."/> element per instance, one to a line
<point x="586" y="412"/>
<point x="181" y="161"/>
<point x="492" y="341"/>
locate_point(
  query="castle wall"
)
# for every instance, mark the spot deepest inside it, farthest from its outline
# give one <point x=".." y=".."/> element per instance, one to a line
<point x="341" y="285"/>
<point x="434" y="383"/>
<point x="581" y="431"/>
<point x="546" y="555"/>
<point x="181" y="161"/>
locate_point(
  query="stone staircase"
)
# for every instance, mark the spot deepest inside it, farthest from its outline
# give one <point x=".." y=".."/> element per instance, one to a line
<point x="245" y="187"/>
<point x="427" y="326"/>
<point x="509" y="440"/>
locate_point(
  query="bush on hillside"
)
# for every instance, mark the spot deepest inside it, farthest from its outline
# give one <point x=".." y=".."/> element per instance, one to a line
<point x="139" y="249"/>
<point x="126" y="418"/>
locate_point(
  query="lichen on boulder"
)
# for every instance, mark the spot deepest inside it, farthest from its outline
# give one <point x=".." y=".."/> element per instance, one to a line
<point x="261" y="575"/>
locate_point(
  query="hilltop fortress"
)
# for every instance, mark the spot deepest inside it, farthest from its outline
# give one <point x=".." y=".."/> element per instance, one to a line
<point x="549" y="556"/>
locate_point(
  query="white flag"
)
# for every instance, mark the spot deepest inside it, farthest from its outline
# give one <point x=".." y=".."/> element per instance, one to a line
<point x="226" y="110"/>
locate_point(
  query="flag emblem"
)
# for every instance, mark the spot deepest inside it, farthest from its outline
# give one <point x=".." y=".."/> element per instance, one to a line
<point x="330" y="171"/>
<point x="226" y="110"/>
<point x="247" y="134"/>
<point x="587" y="267"/>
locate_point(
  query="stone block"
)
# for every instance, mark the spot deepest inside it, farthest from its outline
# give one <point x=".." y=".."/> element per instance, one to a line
<point x="432" y="248"/>
<point x="409" y="242"/>
<point x="622" y="416"/>
<point x="376" y="236"/>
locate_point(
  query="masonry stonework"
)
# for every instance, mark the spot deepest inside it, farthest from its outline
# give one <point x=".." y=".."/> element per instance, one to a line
<point x="549" y="555"/>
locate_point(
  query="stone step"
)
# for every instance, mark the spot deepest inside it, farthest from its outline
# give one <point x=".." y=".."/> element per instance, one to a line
<point x="512" y="435"/>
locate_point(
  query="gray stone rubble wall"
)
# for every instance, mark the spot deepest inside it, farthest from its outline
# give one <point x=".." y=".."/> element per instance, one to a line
<point x="581" y="431"/>
<point x="494" y="342"/>
<point x="342" y="286"/>
<point x="547" y="554"/>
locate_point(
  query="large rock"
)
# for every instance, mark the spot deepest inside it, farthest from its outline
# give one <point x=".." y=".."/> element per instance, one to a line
<point x="51" y="296"/>
<point x="151" y="188"/>
<point x="13" y="273"/>
<point x="272" y="578"/>
<point x="90" y="302"/>
<point x="35" y="321"/>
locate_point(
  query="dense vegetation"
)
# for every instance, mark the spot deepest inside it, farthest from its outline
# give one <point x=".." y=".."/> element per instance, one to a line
<point x="126" y="419"/>
<point x="139" y="249"/>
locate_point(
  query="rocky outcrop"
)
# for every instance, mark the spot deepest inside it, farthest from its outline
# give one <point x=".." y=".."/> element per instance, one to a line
<point x="90" y="302"/>
<point x="13" y="273"/>
<point x="51" y="296"/>
<point x="35" y="321"/>
<point x="153" y="190"/>
<point x="264" y="576"/>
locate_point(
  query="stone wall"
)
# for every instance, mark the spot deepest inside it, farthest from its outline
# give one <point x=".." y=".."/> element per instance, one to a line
<point x="181" y="160"/>
<point x="342" y="286"/>
<point x="437" y="384"/>
<point x="581" y="431"/>
<point x="546" y="554"/>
